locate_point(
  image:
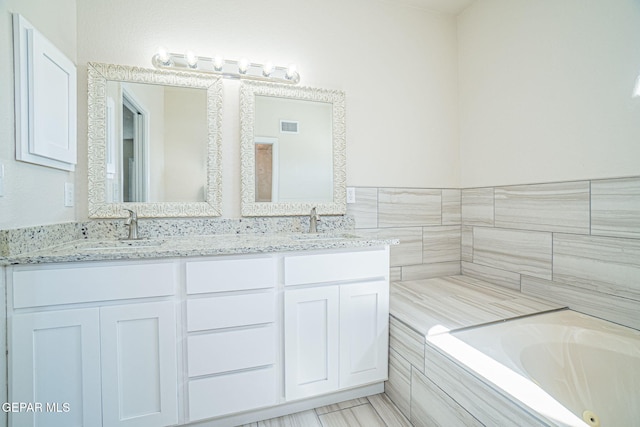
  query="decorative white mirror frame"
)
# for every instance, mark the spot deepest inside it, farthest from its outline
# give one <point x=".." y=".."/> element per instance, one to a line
<point x="98" y="75"/>
<point x="248" y="92"/>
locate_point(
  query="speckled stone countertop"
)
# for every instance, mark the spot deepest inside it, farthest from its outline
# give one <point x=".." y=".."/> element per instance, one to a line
<point x="191" y="246"/>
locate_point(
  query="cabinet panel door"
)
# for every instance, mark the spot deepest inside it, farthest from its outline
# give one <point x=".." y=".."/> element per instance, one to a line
<point x="311" y="341"/>
<point x="55" y="360"/>
<point x="231" y="311"/>
<point x="139" y="368"/>
<point x="333" y="267"/>
<point x="364" y="333"/>
<point x="231" y="350"/>
<point x="234" y="392"/>
<point x="76" y="283"/>
<point x="230" y="275"/>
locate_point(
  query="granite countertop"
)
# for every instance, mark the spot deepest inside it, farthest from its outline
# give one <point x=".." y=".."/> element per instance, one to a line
<point x="190" y="246"/>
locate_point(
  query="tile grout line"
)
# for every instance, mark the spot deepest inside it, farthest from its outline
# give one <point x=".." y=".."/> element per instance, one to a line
<point x="378" y="413"/>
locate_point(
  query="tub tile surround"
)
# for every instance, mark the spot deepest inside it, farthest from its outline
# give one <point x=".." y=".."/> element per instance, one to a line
<point x="426" y="221"/>
<point x="615" y="207"/>
<point x="523" y="252"/>
<point x="402" y="207"/>
<point x="576" y="243"/>
<point x="561" y="207"/>
<point x="423" y="382"/>
<point x="429" y="305"/>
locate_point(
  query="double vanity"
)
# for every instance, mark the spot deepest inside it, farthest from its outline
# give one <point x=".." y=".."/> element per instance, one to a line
<point x="234" y="321"/>
<point x="198" y="330"/>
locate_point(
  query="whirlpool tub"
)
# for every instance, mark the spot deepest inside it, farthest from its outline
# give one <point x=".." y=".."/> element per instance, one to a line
<point x="571" y="368"/>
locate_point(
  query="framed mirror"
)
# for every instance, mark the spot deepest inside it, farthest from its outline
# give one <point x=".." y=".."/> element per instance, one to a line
<point x="154" y="142"/>
<point x="293" y="150"/>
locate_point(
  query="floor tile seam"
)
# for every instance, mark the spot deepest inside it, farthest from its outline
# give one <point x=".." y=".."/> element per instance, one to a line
<point x="377" y="413"/>
<point x="340" y="409"/>
<point x="393" y="405"/>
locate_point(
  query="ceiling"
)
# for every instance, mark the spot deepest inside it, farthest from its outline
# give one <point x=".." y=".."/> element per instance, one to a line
<point x="445" y="6"/>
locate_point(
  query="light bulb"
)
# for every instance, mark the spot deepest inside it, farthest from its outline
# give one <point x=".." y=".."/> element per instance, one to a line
<point x="218" y="62"/>
<point x="292" y="71"/>
<point x="163" y="56"/>
<point x="191" y="58"/>
<point x="243" y="65"/>
<point x="267" y="69"/>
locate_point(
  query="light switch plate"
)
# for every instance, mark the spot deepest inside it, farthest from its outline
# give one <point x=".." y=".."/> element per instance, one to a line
<point x="351" y="195"/>
<point x="68" y="194"/>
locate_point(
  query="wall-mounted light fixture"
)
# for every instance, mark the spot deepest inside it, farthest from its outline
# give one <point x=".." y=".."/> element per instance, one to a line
<point x="240" y="69"/>
<point x="636" y="89"/>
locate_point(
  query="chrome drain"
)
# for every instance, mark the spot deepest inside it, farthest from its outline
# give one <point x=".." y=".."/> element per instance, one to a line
<point x="591" y="418"/>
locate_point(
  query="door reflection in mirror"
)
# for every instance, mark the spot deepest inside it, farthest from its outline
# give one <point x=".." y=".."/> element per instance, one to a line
<point x="267" y="168"/>
<point x="300" y="165"/>
<point x="161" y="139"/>
<point x="134" y="147"/>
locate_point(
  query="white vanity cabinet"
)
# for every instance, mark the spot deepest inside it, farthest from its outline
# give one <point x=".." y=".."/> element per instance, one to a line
<point x="84" y="347"/>
<point x="55" y="359"/>
<point x="220" y="340"/>
<point x="336" y="308"/>
<point x="232" y="341"/>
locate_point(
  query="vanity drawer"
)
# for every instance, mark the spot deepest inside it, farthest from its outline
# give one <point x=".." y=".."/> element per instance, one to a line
<point x="332" y="267"/>
<point x="236" y="392"/>
<point x="230" y="275"/>
<point x="230" y="311"/>
<point x="35" y="287"/>
<point x="231" y="350"/>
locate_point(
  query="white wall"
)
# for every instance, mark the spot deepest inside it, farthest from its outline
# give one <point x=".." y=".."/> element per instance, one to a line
<point x="304" y="159"/>
<point x="185" y="144"/>
<point x="32" y="194"/>
<point x="545" y="90"/>
<point x="397" y="66"/>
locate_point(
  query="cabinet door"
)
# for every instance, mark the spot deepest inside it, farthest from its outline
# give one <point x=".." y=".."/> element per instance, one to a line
<point x="364" y="333"/>
<point x="55" y="362"/>
<point x="311" y="341"/>
<point x="139" y="368"/>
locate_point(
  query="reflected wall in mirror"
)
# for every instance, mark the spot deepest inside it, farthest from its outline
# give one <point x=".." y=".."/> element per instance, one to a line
<point x="154" y="142"/>
<point x="293" y="150"/>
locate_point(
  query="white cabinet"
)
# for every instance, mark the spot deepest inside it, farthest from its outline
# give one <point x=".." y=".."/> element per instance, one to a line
<point x="110" y="363"/>
<point x="139" y="368"/>
<point x="232" y="337"/>
<point x="55" y="362"/>
<point x="364" y="332"/>
<point x="311" y="341"/>
<point x="173" y="342"/>
<point x="335" y="335"/>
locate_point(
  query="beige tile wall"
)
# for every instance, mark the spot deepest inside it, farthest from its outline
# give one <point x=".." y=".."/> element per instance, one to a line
<point x="576" y="243"/>
<point x="427" y="222"/>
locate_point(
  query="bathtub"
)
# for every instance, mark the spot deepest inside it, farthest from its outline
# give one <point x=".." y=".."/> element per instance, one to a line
<point x="570" y="368"/>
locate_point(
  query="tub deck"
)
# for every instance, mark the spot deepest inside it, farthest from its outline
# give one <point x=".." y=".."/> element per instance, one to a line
<point x="456" y="302"/>
<point x="424" y="383"/>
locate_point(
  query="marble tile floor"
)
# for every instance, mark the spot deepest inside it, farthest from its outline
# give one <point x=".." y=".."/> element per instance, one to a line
<point x="372" y="411"/>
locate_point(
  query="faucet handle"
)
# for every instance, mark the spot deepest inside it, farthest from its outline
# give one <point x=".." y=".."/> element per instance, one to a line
<point x="132" y="215"/>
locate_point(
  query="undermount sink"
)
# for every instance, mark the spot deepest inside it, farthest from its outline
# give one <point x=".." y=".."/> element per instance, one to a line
<point x="321" y="236"/>
<point x="99" y="245"/>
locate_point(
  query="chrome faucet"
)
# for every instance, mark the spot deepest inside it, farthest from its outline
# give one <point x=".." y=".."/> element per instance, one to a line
<point x="132" y="223"/>
<point x="313" y="221"/>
